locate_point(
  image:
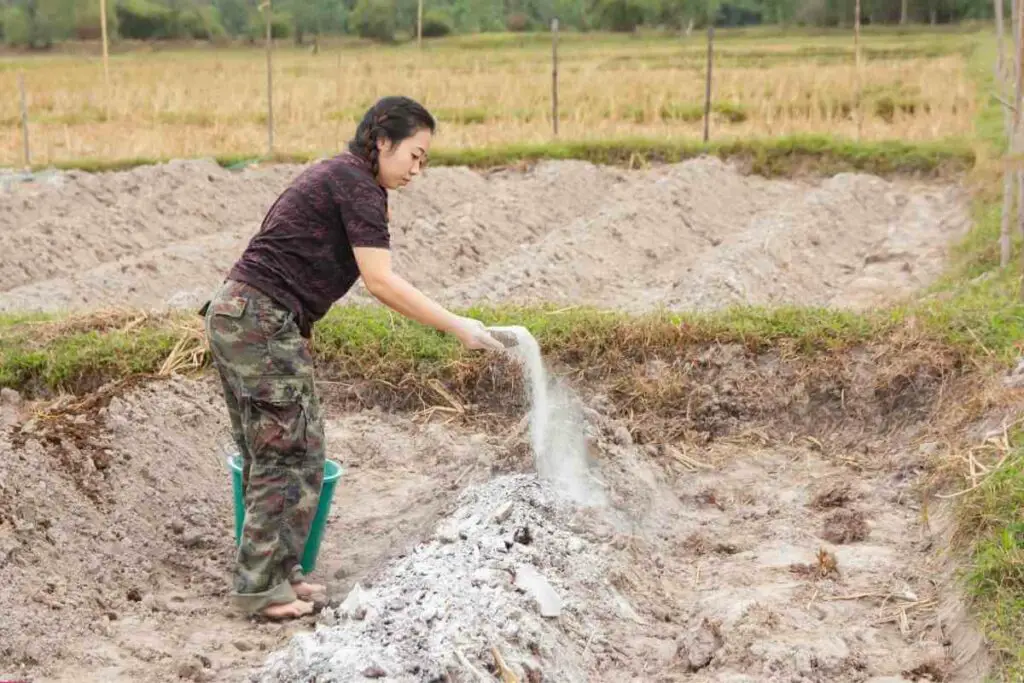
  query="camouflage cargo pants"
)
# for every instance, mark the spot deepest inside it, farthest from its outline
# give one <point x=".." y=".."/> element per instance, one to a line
<point x="266" y="371"/>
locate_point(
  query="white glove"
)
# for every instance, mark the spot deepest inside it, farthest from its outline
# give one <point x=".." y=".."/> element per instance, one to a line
<point x="474" y="335"/>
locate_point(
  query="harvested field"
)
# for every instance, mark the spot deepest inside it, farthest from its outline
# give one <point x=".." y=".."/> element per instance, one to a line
<point x="491" y="91"/>
<point x="696" y="235"/>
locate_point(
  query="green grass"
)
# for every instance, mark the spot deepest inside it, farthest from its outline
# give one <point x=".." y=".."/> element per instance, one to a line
<point x="372" y="337"/>
<point x="781" y="156"/>
<point x="995" y="579"/>
<point x="949" y="37"/>
<point x="78" y="361"/>
<point x="352" y="339"/>
<point x="976" y="299"/>
<point x="693" y="55"/>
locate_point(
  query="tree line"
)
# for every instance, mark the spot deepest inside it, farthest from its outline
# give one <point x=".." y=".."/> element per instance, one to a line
<point x="41" y="23"/>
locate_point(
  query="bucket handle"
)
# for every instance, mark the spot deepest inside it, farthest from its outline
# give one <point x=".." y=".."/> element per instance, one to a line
<point x="227" y="449"/>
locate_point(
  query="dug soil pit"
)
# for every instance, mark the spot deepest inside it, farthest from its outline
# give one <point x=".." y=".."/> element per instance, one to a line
<point x="447" y="558"/>
<point x="669" y="584"/>
<point x="695" y="235"/>
<point x="116" y="531"/>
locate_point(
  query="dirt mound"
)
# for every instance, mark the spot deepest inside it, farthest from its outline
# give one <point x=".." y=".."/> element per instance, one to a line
<point x="699" y="235"/>
<point x="694" y="235"/>
<point x="74" y="222"/>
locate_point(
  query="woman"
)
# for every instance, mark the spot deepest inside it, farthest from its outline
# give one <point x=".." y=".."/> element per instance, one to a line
<point x="326" y="230"/>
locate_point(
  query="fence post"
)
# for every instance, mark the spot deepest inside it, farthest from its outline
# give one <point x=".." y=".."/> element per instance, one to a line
<point x="554" y="74"/>
<point x="106" y="60"/>
<point x="1018" y="94"/>
<point x="1018" y="102"/>
<point x="24" y="120"/>
<point x="856" y="62"/>
<point x="707" y="81"/>
<point x="270" y="80"/>
<point x="419" y="24"/>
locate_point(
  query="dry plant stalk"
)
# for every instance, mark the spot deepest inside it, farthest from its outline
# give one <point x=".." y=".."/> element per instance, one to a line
<point x="827" y="563"/>
<point x="686" y="461"/>
<point x="978" y="472"/>
<point x="480" y="675"/>
<point x="507" y="675"/>
<point x="1011" y="121"/>
<point x="189" y="353"/>
<point x="857" y="76"/>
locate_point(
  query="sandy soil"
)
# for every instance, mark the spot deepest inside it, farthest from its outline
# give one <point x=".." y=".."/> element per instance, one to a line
<point x="763" y="564"/>
<point x="693" y="235"/>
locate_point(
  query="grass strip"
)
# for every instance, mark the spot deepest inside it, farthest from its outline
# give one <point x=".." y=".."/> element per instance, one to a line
<point x="981" y="299"/>
<point x="990" y="519"/>
<point x="782" y="156"/>
<point x="50" y="355"/>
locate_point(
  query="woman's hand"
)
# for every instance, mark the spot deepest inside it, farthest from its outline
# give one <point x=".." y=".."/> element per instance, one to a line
<point x="474" y="335"/>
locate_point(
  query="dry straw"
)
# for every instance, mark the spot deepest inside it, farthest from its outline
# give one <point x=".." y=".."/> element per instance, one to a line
<point x="171" y="104"/>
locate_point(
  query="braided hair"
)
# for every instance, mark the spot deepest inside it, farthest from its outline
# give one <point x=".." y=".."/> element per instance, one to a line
<point x="392" y="118"/>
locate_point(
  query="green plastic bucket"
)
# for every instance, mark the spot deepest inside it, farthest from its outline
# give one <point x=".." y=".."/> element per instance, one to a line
<point x="332" y="471"/>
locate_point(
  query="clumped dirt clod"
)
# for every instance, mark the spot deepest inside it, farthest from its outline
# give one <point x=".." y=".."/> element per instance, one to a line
<point x="833" y="496"/>
<point x="697" y="648"/>
<point x="929" y="671"/>
<point x="845" y="526"/>
<point x="697" y="544"/>
<point x="826" y="566"/>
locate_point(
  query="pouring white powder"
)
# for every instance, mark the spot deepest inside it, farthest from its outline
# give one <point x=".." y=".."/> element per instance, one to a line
<point x="556" y="424"/>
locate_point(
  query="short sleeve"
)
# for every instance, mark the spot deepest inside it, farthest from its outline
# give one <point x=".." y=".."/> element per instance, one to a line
<point x="364" y="212"/>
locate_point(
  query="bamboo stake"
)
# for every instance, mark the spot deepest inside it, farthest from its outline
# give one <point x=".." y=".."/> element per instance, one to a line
<point x="106" y="60"/>
<point x="856" y="58"/>
<point x="1000" y="55"/>
<point x="1018" y="92"/>
<point x="270" y="80"/>
<point x="1009" y="123"/>
<point x="419" y="24"/>
<point x="24" y="120"/>
<point x="554" y="75"/>
<point x="707" y="79"/>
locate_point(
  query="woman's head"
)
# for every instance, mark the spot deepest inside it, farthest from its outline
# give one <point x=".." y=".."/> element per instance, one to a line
<point x="394" y="136"/>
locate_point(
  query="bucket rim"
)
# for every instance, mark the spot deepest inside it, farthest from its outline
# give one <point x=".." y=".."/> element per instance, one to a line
<point x="332" y="468"/>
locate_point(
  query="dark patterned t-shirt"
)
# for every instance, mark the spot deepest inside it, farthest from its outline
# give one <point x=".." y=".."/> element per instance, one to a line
<point x="302" y="255"/>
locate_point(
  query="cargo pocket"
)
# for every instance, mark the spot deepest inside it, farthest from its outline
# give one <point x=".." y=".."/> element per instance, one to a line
<point x="232" y="307"/>
<point x="225" y="327"/>
<point x="224" y="315"/>
<point x="276" y="414"/>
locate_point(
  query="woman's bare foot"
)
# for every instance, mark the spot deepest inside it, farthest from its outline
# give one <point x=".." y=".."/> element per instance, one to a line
<point x="306" y="590"/>
<point x="289" y="610"/>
